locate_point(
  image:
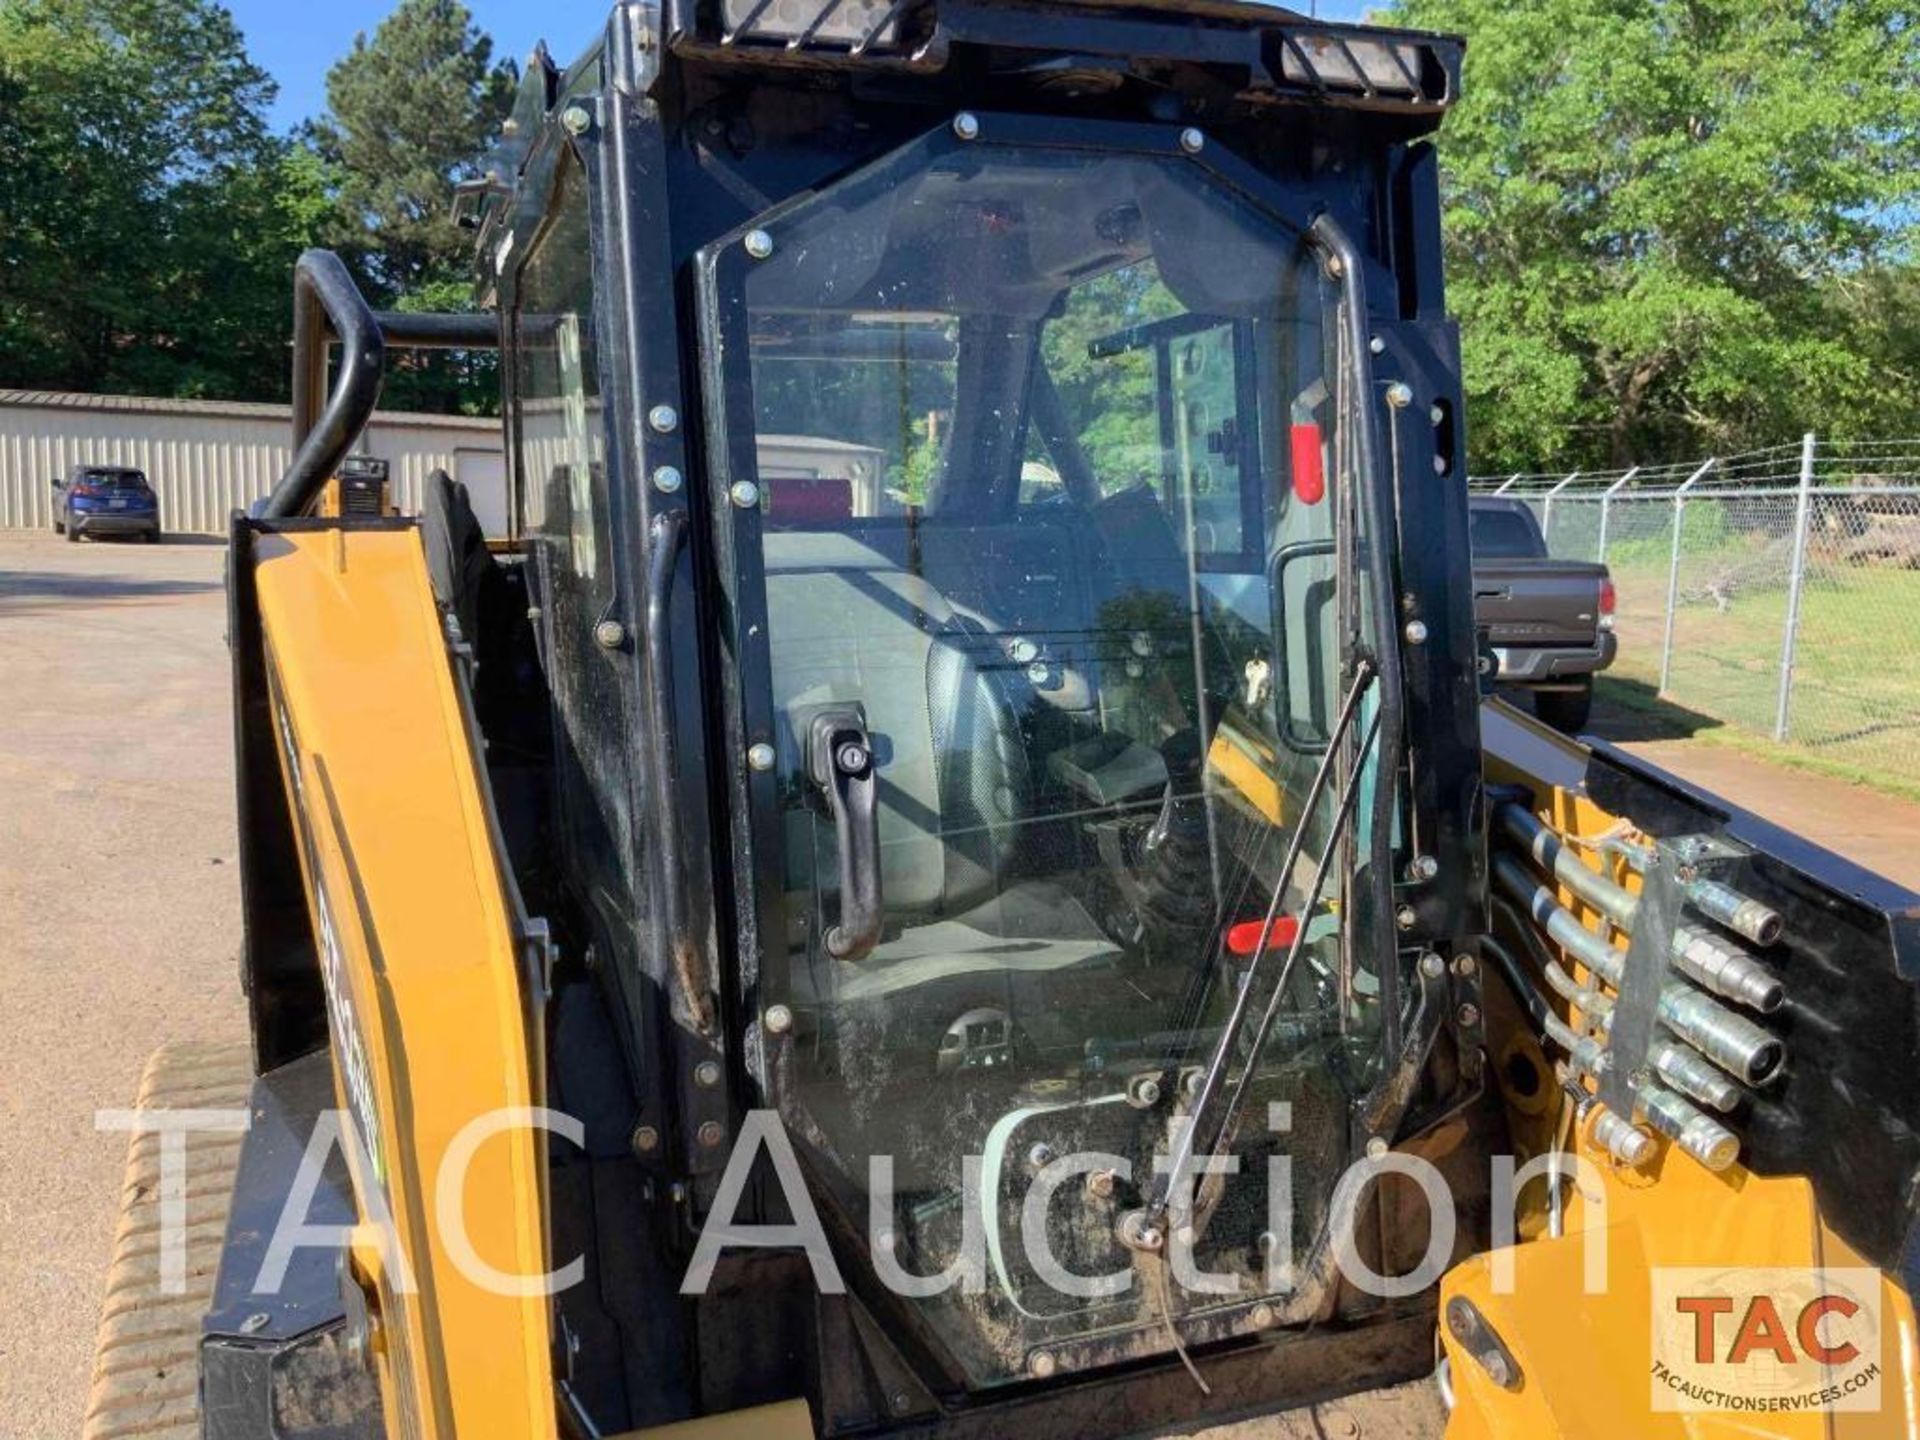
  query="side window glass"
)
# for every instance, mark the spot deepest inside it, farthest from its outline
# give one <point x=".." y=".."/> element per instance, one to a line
<point x="563" y="484"/>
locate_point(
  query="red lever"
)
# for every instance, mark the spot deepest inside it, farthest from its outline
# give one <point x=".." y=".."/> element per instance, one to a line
<point x="1309" y="468"/>
<point x="1244" y="938"/>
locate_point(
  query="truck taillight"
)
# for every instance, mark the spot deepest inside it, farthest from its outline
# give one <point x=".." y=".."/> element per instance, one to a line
<point x="1609" y="601"/>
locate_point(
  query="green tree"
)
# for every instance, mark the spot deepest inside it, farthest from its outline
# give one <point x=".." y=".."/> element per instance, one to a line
<point x="411" y="112"/>
<point x="1653" y="211"/>
<point x="145" y="233"/>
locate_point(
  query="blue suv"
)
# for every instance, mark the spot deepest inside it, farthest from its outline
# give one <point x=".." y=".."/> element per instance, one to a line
<point x="106" y="500"/>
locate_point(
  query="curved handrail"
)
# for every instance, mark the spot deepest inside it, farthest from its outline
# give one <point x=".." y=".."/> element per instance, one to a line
<point x="326" y="303"/>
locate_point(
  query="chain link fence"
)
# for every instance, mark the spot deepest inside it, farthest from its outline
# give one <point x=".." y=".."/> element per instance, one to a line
<point x="1777" y="590"/>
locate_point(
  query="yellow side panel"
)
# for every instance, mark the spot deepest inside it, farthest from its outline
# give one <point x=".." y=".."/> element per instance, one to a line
<point x="424" y="985"/>
<point x="1587" y="1359"/>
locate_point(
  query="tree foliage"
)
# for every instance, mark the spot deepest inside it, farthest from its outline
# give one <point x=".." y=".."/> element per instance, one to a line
<point x="410" y="112"/>
<point x="1664" y="216"/>
<point x="148" y="217"/>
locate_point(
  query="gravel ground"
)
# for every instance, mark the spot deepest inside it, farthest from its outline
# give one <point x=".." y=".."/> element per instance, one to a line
<point x="119" y="902"/>
<point x="119" y="910"/>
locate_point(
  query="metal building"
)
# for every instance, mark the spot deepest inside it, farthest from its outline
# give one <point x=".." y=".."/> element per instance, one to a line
<point x="208" y="458"/>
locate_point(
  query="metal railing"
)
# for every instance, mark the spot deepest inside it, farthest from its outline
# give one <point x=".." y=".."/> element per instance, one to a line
<point x="1776" y="590"/>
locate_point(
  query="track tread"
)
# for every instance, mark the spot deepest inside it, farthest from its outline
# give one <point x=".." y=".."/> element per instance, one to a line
<point x="146" y="1369"/>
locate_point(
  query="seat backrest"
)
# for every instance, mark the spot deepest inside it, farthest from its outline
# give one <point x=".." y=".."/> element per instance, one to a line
<point x="849" y="624"/>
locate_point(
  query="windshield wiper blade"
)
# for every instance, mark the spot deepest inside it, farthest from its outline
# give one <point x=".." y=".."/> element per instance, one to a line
<point x="1139" y="1229"/>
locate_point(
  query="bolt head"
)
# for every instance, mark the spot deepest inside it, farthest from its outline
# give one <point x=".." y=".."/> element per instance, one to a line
<point x="667" y="479"/>
<point x="1468" y="1015"/>
<point x="1262" y="1317"/>
<point x="610" y="634"/>
<point x="646" y="1140"/>
<point x="577" y="119"/>
<point x="967" y="125"/>
<point x="664" y="418"/>
<point x="1399" y="395"/>
<point x="1192" y="140"/>
<point x="1377" y="1147"/>
<point x="745" y="495"/>
<point x="1405" y="917"/>
<point x="1436" y="415"/>
<point x="1377" y="345"/>
<point x="1423" y="867"/>
<point x="1038" y="673"/>
<point x="901" y="1402"/>
<point x="1100" y="1184"/>
<point x="778" y="1020"/>
<point x="255" y="1323"/>
<point x="1042" y="1366"/>
<point x="1039" y="1155"/>
<point x="1464" y="967"/>
<point x="761" y="757"/>
<point x="712" y="1135"/>
<point x="1432" y="966"/>
<point x="707" y="1074"/>
<point x="758" y="243"/>
<point x="1416" y="632"/>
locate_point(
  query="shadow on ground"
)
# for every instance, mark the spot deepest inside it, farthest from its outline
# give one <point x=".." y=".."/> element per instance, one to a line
<point x="1630" y="710"/>
<point x="23" y="591"/>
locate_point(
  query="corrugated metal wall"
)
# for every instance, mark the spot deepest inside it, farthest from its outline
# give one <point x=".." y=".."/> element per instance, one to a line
<point x="206" y="460"/>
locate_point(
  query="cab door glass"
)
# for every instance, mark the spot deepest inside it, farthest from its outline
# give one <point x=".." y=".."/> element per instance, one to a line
<point x="1027" y="426"/>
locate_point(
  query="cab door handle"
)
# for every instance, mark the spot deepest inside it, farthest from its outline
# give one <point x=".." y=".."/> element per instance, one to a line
<point x="840" y="761"/>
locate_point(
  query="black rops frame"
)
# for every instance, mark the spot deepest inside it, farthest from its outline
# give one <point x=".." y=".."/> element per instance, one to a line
<point x="745" y="666"/>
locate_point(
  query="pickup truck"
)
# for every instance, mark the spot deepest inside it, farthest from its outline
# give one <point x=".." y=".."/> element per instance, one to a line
<point x="1549" y="622"/>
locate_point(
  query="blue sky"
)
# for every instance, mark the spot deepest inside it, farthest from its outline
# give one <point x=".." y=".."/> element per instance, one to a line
<point x="298" y="40"/>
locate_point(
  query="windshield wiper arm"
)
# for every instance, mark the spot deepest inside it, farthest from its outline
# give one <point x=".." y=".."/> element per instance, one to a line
<point x="1140" y="1229"/>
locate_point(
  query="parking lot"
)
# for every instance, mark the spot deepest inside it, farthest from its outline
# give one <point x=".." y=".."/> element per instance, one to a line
<point x="119" y="897"/>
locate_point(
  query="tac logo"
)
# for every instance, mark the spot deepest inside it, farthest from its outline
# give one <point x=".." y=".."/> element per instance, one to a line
<point x="1768" y="1340"/>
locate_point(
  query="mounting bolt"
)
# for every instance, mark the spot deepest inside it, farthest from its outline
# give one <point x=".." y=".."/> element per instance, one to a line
<point x="1399" y="395"/>
<point x="1039" y="1155"/>
<point x="761" y="757"/>
<point x="1416" y="632"/>
<point x="1143" y="1092"/>
<point x="1192" y="141"/>
<point x="664" y="418"/>
<point x="1423" y="867"/>
<point x="901" y="1402"/>
<point x="712" y="1135"/>
<point x="967" y="125"/>
<point x="1042" y="1365"/>
<point x="646" y="1140"/>
<point x="577" y="119"/>
<point x="667" y="479"/>
<point x="1468" y="1015"/>
<point x="778" y="1020"/>
<point x="759" y="244"/>
<point x="1100" y="1184"/>
<point x="1405" y="917"/>
<point x="1262" y="1317"/>
<point x="1335" y="267"/>
<point x="1377" y="1147"/>
<point x="1377" y="345"/>
<point x="1432" y="966"/>
<point x="255" y="1323"/>
<point x="1437" y="415"/>
<point x="745" y="494"/>
<point x="1464" y="967"/>
<point x="610" y="634"/>
<point x="707" y="1074"/>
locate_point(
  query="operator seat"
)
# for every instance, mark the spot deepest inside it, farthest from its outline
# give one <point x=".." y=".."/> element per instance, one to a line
<point x="851" y="624"/>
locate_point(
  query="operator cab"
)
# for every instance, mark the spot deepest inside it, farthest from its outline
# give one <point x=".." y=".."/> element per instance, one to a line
<point x="968" y="529"/>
